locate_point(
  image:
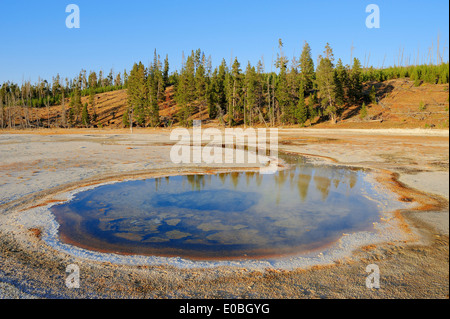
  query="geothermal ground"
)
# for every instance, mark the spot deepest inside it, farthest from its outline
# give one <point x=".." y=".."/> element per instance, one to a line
<point x="38" y="168"/>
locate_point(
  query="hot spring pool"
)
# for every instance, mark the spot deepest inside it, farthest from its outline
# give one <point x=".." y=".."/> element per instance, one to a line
<point x="222" y="216"/>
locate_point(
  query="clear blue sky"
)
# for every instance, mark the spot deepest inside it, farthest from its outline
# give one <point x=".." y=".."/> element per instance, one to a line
<point x="35" y="42"/>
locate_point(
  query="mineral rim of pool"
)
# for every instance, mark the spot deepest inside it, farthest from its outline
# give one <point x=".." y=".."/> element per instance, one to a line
<point x="222" y="216"/>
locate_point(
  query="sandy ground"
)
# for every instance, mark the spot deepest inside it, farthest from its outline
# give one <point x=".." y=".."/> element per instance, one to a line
<point x="39" y="168"/>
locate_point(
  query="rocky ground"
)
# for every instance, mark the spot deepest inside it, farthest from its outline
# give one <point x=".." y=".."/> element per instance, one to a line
<point x="36" y="169"/>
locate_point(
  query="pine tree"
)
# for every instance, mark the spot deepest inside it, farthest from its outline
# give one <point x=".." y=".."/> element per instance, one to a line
<point x="166" y="71"/>
<point x="138" y="92"/>
<point x="186" y="91"/>
<point x="302" y="109"/>
<point x="295" y="85"/>
<point x="71" y="117"/>
<point x="444" y="73"/>
<point x="201" y="87"/>
<point x="125" y="78"/>
<point x="56" y="86"/>
<point x="260" y="92"/>
<point x="340" y="82"/>
<point x="153" y="83"/>
<point x="118" y="80"/>
<point x="430" y="76"/>
<point x="126" y="119"/>
<point x="282" y="90"/>
<point x="92" y="103"/>
<point x="363" y="111"/>
<point x="373" y="95"/>
<point x="415" y="76"/>
<point x="250" y="94"/>
<point x="312" y="112"/>
<point x="220" y="90"/>
<point x="307" y="68"/>
<point x="326" y="84"/>
<point x="85" y="118"/>
<point x="75" y="103"/>
<point x="235" y="87"/>
<point x="155" y="89"/>
<point x="211" y="96"/>
<point x="355" y="92"/>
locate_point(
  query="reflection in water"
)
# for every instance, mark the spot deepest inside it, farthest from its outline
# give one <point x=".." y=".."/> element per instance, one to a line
<point x="304" y="178"/>
<point x="228" y="215"/>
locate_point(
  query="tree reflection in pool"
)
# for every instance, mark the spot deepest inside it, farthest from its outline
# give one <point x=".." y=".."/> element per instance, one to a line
<point x="223" y="216"/>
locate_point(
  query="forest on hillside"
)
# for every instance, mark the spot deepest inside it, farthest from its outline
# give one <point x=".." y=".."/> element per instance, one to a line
<point x="235" y="94"/>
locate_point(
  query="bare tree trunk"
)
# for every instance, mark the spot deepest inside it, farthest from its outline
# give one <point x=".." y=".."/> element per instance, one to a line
<point x="268" y="97"/>
<point x="48" y="112"/>
<point x="437" y="51"/>
<point x="10" y="113"/>
<point x="333" y="119"/>
<point x="234" y="99"/>
<point x="273" y="102"/>
<point x="14" y="110"/>
<point x="23" y="115"/>
<point x="28" y="105"/>
<point x="27" y="114"/>
<point x="63" y="115"/>
<point x="1" y="111"/>
<point x="8" y="117"/>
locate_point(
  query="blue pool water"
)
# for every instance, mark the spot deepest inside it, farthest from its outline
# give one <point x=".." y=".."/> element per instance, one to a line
<point x="227" y="215"/>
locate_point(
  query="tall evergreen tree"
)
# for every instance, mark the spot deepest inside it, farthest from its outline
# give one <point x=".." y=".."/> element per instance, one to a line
<point x="201" y="87"/>
<point x="118" y="80"/>
<point x="282" y="90"/>
<point x="294" y="86"/>
<point x="186" y="91"/>
<point x="92" y="80"/>
<point x="250" y="94"/>
<point x="307" y="68"/>
<point x="138" y="92"/>
<point x="220" y="87"/>
<point x="326" y="84"/>
<point x="355" y="91"/>
<point x="217" y="96"/>
<point x="166" y="71"/>
<point x="235" y="87"/>
<point x="211" y="96"/>
<point x="156" y="89"/>
<point x="126" y="119"/>
<point x="302" y="109"/>
<point x="340" y="82"/>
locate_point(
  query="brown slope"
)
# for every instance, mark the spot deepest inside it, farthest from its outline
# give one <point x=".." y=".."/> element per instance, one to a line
<point x="401" y="105"/>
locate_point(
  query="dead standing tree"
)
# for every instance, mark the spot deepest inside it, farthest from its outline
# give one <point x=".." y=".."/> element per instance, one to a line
<point x="47" y="104"/>
<point x="63" y="111"/>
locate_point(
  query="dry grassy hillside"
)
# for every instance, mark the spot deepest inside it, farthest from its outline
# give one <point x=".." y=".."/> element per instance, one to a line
<point x="400" y="105"/>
